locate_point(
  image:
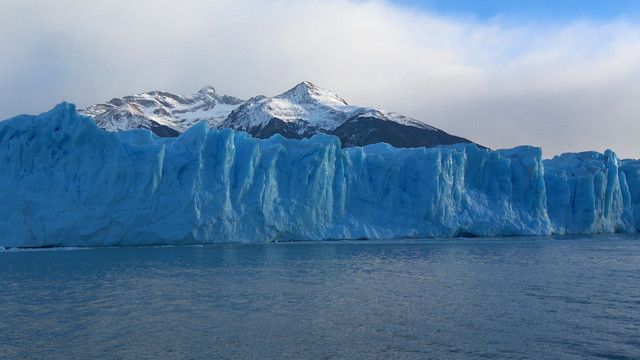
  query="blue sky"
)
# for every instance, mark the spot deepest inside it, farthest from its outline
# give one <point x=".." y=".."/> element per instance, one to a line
<point x="562" y="75"/>
<point x="544" y="10"/>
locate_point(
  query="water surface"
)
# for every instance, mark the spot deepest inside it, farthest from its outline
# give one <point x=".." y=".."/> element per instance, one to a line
<point x="520" y="298"/>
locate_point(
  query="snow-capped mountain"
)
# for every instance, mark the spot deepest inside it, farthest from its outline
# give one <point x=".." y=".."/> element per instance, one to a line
<point x="165" y="114"/>
<point x="298" y="113"/>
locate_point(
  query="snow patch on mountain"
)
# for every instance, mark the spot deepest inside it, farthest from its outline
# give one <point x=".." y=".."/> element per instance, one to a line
<point x="177" y="112"/>
<point x="315" y="109"/>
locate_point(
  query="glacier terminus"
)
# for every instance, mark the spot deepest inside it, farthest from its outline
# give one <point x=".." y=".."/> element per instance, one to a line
<point x="66" y="182"/>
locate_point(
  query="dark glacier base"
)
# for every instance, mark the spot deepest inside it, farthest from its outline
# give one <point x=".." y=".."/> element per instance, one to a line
<point x="514" y="298"/>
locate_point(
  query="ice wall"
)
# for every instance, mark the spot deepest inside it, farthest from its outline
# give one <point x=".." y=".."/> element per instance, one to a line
<point x="64" y="181"/>
<point x="588" y="193"/>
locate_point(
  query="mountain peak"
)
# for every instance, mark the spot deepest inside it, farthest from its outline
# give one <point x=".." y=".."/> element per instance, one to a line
<point x="207" y="90"/>
<point x="306" y="85"/>
<point x="306" y="92"/>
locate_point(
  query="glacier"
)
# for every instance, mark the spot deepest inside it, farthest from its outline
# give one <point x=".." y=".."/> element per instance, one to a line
<point x="66" y="182"/>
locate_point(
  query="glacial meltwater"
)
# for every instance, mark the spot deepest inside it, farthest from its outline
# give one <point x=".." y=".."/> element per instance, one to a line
<point x="497" y="298"/>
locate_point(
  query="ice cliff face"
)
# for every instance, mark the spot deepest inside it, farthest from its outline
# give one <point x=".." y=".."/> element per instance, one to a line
<point x="299" y="113"/>
<point x="593" y="193"/>
<point x="64" y="181"/>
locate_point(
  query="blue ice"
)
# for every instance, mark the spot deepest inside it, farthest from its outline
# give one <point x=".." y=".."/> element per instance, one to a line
<point x="66" y="182"/>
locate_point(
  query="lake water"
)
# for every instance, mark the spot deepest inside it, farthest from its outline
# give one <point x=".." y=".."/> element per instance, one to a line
<point x="518" y="298"/>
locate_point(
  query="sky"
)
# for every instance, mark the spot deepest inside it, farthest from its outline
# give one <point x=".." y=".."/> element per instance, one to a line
<point x="538" y="10"/>
<point x="562" y="75"/>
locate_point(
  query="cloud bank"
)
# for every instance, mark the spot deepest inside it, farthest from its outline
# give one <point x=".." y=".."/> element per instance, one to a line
<point x="562" y="86"/>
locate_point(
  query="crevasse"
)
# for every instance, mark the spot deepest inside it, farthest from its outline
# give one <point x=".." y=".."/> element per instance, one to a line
<point x="65" y="182"/>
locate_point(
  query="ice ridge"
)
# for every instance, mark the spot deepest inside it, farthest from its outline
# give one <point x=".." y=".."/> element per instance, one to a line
<point x="66" y="182"/>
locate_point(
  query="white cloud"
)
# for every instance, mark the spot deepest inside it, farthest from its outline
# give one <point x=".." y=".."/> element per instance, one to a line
<point x="565" y="87"/>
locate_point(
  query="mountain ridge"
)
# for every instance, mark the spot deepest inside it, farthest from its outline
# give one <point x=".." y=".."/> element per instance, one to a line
<point x="297" y="113"/>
